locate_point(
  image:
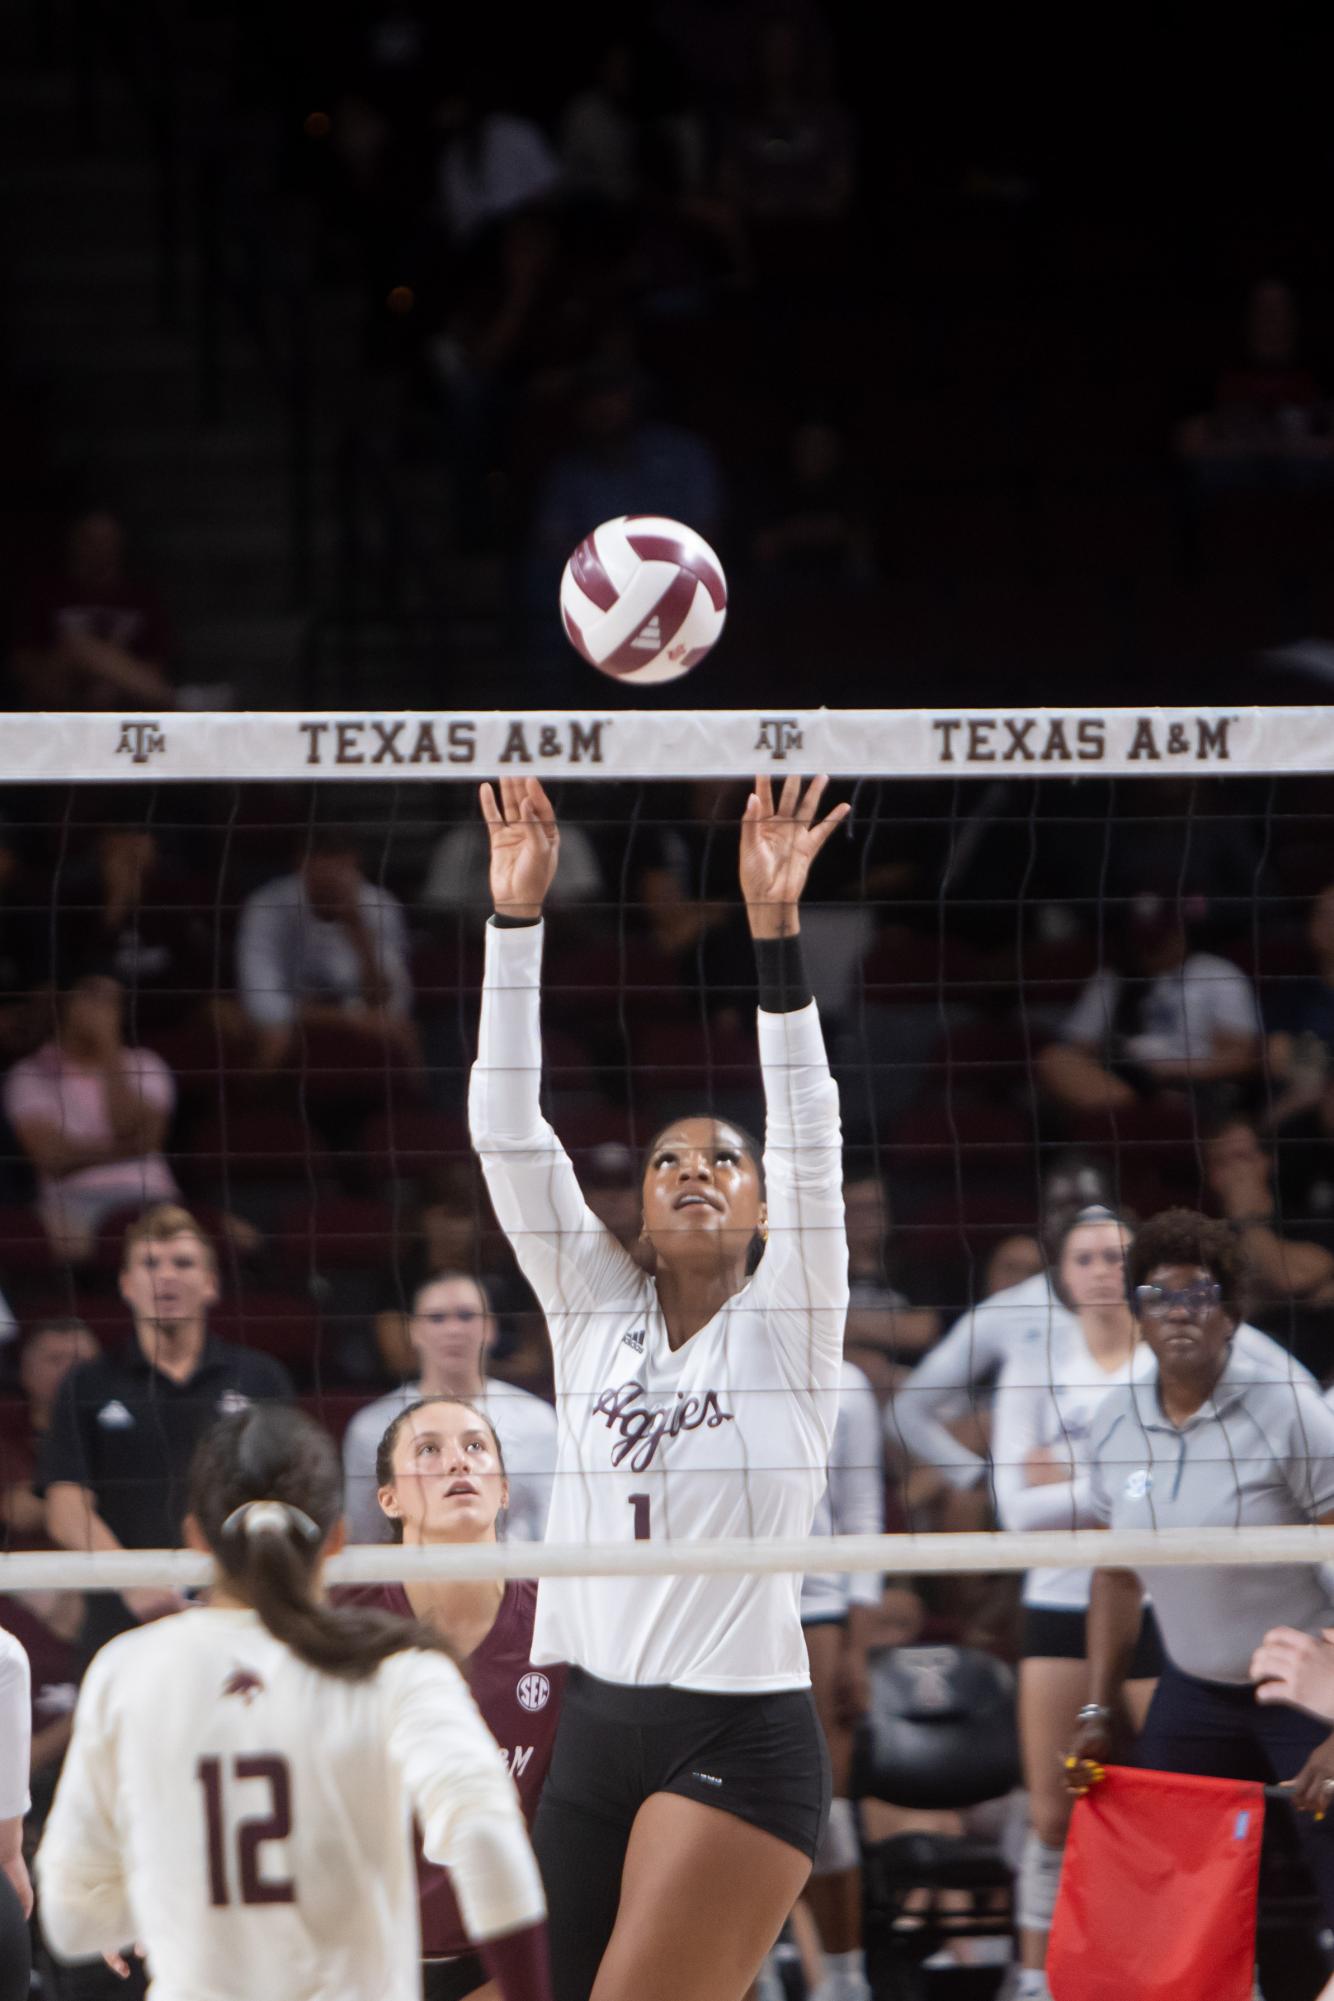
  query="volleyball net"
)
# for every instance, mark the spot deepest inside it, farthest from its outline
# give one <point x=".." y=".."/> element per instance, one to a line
<point x="1060" y="957"/>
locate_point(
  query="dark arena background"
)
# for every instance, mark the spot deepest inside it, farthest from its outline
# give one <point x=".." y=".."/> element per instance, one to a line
<point x="996" y="364"/>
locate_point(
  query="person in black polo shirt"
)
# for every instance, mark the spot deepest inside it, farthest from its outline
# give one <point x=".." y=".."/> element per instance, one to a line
<point x="115" y="1460"/>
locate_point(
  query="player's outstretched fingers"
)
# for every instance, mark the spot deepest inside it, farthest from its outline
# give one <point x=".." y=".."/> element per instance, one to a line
<point x="789" y="797"/>
<point x="811" y="799"/>
<point x="510" y="797"/>
<point x="834" y="818"/>
<point x="543" y="809"/>
<point x="491" y="812"/>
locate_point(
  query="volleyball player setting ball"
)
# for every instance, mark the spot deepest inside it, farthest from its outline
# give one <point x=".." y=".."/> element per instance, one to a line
<point x="240" y="1784"/>
<point x="440" y="1480"/>
<point x="697" y="1398"/>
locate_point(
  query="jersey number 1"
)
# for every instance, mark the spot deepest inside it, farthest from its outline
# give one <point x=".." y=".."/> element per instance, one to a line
<point x="639" y="1502"/>
<point x="251" y="1834"/>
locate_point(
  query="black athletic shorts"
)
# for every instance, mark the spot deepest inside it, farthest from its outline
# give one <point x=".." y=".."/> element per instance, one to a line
<point x="1054" y="1635"/>
<point x="453" y="1979"/>
<point x="760" y="1757"/>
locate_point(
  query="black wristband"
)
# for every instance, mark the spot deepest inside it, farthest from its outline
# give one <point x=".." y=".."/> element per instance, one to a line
<point x="503" y="923"/>
<point x="781" y="971"/>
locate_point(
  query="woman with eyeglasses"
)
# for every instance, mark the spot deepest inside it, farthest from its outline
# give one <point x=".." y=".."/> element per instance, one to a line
<point x="1206" y="1441"/>
<point x="452" y="1329"/>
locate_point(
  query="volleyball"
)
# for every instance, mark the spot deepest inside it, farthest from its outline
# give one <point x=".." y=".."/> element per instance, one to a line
<point x="643" y="599"/>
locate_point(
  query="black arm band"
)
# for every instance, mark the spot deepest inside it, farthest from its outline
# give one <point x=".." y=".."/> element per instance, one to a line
<point x="513" y="923"/>
<point x="781" y="971"/>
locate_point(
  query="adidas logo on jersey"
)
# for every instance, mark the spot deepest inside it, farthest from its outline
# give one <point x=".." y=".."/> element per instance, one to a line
<point x="113" y="1416"/>
<point x="634" y="1339"/>
<point x="648" y="639"/>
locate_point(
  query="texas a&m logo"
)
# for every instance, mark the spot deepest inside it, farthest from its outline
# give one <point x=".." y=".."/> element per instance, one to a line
<point x="140" y="741"/>
<point x="778" y="735"/>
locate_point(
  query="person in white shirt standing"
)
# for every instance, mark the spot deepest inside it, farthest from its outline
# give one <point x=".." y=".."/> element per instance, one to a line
<point x="1047" y="1401"/>
<point x="15" y="1755"/>
<point x="453" y="1329"/>
<point x="689" y="1785"/>
<point x="239" y="1786"/>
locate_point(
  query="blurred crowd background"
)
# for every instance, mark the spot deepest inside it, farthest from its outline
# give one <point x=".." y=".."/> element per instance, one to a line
<point x="325" y="337"/>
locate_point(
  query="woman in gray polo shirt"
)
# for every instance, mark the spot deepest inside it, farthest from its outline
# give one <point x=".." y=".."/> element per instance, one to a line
<point x="1208" y="1442"/>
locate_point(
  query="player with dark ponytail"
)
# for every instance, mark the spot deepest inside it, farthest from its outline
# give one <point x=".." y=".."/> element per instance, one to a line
<point x="269" y="1549"/>
<point x="240" y="1785"/>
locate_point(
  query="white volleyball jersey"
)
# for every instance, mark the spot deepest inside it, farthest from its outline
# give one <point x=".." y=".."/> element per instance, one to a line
<point x="1049" y="1394"/>
<point x="250" y="1820"/>
<point x="729" y="1435"/>
<point x="853" y="1503"/>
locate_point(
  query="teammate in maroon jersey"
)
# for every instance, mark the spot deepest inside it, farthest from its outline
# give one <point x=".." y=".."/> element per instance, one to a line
<point x="440" y="1475"/>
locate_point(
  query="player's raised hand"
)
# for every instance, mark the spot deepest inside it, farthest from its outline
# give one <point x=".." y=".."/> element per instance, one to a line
<point x="525" y="845"/>
<point x="778" y="844"/>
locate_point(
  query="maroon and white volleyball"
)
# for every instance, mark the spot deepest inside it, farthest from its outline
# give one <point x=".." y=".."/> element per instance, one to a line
<point x="643" y="599"/>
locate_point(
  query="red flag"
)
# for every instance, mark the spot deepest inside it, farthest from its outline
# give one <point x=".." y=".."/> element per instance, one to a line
<point x="1158" y="1891"/>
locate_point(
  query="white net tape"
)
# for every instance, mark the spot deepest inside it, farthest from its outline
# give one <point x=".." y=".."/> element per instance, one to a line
<point x="891" y="1555"/>
<point x="649" y="743"/>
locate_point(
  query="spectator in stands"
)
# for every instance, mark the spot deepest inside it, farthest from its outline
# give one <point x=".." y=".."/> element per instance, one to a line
<point x="25" y="952"/>
<point x="1268" y="408"/>
<point x="51" y="1348"/>
<point x="1014" y="1261"/>
<point x="1300" y="1019"/>
<point x="1164" y="1017"/>
<point x="114" y="1463"/>
<point x="322" y="946"/>
<point x="125" y="911"/>
<point x="452" y="1330"/>
<point x="93" y="638"/>
<point x="788" y="156"/>
<point x="92" y="1116"/>
<point x="445" y="1239"/>
<point x="1240" y="1173"/>
<point x="884" y="1333"/>
<point x="1206" y="1440"/>
<point x="601" y="128"/>
<point x="493" y="162"/>
<point x="814" y="525"/>
<point x="620" y="462"/>
<point x="1304" y="1155"/>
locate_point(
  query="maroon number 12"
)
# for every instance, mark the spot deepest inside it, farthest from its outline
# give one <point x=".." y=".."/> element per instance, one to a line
<point x="251" y="1834"/>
